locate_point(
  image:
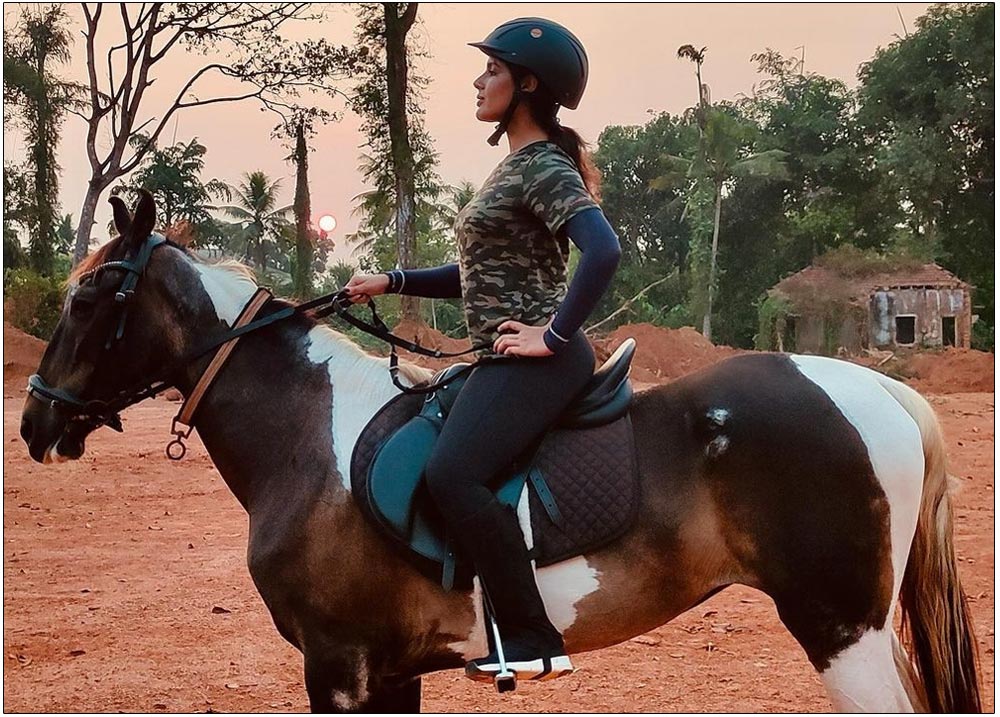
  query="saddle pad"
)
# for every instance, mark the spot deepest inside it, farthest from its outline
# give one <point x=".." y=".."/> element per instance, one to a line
<point x="592" y="474"/>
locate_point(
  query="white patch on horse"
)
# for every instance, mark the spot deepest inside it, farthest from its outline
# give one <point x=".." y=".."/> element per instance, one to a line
<point x="895" y="447"/>
<point x="475" y="644"/>
<point x="52" y="455"/>
<point x="562" y="586"/>
<point x="228" y="290"/>
<point x="524" y="518"/>
<point x="360" y="384"/>
<point x="350" y="700"/>
<point x="718" y="416"/>
<point x="864" y="678"/>
<point x="717" y="446"/>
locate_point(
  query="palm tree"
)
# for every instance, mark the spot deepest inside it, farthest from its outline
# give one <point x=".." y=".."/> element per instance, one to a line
<point x="263" y="224"/>
<point x="697" y="57"/>
<point x="721" y="157"/>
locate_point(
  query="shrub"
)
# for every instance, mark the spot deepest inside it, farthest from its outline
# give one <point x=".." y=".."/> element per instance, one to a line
<point x="33" y="302"/>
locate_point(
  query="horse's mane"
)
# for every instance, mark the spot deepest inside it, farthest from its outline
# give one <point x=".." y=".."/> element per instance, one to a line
<point x="412" y="372"/>
<point x="93" y="260"/>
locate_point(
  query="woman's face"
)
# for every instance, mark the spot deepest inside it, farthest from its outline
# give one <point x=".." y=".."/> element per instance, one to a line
<point x="495" y="90"/>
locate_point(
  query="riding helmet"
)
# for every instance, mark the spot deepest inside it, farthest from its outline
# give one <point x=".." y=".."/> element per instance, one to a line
<point x="549" y="51"/>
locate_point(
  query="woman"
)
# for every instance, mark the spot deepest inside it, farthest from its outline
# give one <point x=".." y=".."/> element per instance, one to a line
<point x="511" y="275"/>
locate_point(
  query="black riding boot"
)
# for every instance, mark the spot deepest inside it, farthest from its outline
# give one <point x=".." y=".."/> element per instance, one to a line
<point x="533" y="647"/>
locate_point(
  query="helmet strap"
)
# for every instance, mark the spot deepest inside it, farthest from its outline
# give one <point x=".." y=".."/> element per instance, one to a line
<point x="494" y="138"/>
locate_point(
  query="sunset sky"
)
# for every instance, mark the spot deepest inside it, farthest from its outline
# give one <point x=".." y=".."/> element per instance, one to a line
<point x="633" y="69"/>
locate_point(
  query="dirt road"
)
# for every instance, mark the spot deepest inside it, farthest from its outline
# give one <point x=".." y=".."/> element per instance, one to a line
<point x="125" y="588"/>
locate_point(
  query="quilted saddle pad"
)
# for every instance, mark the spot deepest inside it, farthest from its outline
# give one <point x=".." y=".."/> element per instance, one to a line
<point x="591" y="474"/>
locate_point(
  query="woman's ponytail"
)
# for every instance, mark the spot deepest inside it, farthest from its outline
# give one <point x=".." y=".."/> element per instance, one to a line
<point x="543" y="110"/>
<point x="570" y="141"/>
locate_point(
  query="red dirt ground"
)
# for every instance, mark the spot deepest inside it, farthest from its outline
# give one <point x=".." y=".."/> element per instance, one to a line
<point x="126" y="588"/>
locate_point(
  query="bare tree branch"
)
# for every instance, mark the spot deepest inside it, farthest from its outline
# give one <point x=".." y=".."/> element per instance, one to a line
<point x="624" y="306"/>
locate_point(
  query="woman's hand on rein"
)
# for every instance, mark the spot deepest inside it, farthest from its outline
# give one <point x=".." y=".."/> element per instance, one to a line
<point x="523" y="340"/>
<point x="363" y="286"/>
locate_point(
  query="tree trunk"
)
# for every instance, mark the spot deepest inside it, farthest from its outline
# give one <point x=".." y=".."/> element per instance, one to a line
<point x="303" y="210"/>
<point x="396" y="27"/>
<point x="706" y="327"/>
<point x="87" y="212"/>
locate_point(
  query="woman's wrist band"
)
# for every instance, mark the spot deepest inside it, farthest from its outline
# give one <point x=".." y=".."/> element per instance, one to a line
<point x="395" y="277"/>
<point x="553" y="332"/>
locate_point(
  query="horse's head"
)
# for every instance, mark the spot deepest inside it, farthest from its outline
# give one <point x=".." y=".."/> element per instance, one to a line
<point x="123" y="319"/>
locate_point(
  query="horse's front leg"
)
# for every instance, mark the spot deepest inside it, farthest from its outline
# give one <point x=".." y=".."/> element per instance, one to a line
<point x="336" y="681"/>
<point x="340" y="680"/>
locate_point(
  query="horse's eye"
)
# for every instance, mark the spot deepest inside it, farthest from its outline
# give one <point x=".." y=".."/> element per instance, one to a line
<point x="82" y="308"/>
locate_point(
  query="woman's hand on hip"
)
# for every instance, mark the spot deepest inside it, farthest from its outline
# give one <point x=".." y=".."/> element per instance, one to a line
<point x="362" y="286"/>
<point x="522" y="340"/>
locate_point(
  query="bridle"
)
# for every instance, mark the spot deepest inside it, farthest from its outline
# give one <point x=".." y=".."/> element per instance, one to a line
<point x="94" y="413"/>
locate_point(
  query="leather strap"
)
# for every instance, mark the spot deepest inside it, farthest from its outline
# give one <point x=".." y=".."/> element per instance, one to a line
<point x="545" y="495"/>
<point x="186" y="414"/>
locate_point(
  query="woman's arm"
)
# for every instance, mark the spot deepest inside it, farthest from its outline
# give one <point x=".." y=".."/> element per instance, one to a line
<point x="601" y="252"/>
<point x="439" y="282"/>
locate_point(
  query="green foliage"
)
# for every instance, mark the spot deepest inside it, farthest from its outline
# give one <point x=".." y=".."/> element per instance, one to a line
<point x="850" y="261"/>
<point x="32" y="301"/>
<point x="14" y="255"/>
<point x="38" y="101"/>
<point x="173" y="175"/>
<point x="771" y="314"/>
<point x="263" y="231"/>
<point x="927" y="110"/>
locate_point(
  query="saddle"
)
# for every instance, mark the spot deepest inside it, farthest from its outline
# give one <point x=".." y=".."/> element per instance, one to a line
<point x="582" y="474"/>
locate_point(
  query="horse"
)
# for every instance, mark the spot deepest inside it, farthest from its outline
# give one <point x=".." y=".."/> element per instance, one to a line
<point x="817" y="481"/>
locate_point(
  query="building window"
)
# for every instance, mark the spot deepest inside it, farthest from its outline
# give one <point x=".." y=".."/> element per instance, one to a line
<point x="906" y="329"/>
<point x="948" y="328"/>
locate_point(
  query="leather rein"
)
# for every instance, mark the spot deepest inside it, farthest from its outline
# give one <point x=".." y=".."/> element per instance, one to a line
<point x="95" y="413"/>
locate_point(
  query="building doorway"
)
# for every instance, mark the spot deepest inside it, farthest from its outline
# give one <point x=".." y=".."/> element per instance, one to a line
<point x="948" y="328"/>
<point x="906" y="330"/>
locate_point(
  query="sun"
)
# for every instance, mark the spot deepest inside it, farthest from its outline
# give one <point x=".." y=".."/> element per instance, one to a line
<point x="327" y="223"/>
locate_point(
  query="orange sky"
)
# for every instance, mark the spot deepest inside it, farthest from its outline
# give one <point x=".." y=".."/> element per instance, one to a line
<point x="632" y="49"/>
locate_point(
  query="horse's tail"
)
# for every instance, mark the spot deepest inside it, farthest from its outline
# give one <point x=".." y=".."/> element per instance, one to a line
<point x="937" y="628"/>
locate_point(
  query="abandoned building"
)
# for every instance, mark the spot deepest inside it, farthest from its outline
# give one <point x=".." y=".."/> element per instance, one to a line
<point x="821" y="310"/>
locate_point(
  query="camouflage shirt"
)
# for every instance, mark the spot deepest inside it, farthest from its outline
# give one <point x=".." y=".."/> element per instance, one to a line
<point x="512" y="252"/>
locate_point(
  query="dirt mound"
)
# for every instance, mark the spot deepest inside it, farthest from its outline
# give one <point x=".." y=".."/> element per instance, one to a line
<point x="21" y="355"/>
<point x="951" y="371"/>
<point x="662" y="354"/>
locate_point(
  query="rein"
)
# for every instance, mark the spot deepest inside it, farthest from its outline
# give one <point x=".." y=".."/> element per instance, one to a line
<point x="96" y="413"/>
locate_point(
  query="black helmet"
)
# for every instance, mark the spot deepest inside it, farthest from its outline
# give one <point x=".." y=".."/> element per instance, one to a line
<point x="546" y="49"/>
<point x="552" y="53"/>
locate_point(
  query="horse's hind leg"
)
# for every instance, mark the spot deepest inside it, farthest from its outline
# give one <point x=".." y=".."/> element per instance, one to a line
<point x="863" y="677"/>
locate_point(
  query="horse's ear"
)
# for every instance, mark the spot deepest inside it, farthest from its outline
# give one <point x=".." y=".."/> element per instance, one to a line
<point x="145" y="217"/>
<point x="123" y="220"/>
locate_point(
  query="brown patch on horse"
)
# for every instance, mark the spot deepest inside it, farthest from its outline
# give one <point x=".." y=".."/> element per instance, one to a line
<point x="780" y="460"/>
<point x="707" y="557"/>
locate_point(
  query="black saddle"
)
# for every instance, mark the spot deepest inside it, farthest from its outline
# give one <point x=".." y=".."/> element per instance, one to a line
<point x="582" y="472"/>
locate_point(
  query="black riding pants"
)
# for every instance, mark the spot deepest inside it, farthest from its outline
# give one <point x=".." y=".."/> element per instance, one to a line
<point x="503" y="407"/>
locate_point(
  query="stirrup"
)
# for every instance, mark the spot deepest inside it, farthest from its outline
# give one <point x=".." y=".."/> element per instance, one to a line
<point x="504" y="674"/>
